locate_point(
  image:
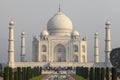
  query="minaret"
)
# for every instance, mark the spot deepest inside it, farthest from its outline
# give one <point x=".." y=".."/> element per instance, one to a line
<point x="22" y="46"/>
<point x="96" y="49"/>
<point x="11" y="45"/>
<point x="107" y="44"/>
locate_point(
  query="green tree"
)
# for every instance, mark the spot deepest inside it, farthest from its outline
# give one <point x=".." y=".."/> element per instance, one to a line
<point x="16" y="75"/>
<point x="102" y="73"/>
<point x="0" y="69"/>
<point x="91" y="75"/>
<point x="19" y="73"/>
<point x="114" y="74"/>
<point x="27" y="74"/>
<point x="23" y="73"/>
<point x="40" y="70"/>
<point x="98" y="74"/>
<point x="107" y="73"/>
<point x="6" y="73"/>
<point x="82" y="71"/>
<point x="10" y="74"/>
<point x="95" y="76"/>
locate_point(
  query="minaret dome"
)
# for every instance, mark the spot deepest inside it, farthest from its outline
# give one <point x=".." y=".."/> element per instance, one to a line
<point x="11" y="22"/>
<point x="107" y="22"/>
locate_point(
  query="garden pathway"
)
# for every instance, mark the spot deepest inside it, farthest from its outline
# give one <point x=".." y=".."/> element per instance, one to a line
<point x="58" y="77"/>
<point x="1" y="78"/>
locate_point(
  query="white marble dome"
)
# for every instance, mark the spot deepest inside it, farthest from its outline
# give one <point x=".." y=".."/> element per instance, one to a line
<point x="44" y="33"/>
<point x="59" y="24"/>
<point x="75" y="33"/>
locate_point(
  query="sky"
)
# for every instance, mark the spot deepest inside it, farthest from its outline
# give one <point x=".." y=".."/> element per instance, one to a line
<point x="31" y="16"/>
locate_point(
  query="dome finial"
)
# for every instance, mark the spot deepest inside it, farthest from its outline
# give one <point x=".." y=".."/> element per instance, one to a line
<point x="59" y="8"/>
<point x="11" y="22"/>
<point x="108" y="21"/>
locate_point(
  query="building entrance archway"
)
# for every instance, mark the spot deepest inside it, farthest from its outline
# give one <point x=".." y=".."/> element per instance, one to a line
<point x="75" y="58"/>
<point x="60" y="53"/>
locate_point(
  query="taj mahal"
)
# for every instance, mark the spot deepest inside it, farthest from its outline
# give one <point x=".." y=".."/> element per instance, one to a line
<point x="59" y="45"/>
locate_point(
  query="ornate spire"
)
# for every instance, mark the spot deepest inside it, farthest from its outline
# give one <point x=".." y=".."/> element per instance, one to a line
<point x="59" y="8"/>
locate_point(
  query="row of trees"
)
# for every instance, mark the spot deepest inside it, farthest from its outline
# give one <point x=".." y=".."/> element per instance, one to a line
<point x="82" y="71"/>
<point x="24" y="73"/>
<point x="97" y="73"/>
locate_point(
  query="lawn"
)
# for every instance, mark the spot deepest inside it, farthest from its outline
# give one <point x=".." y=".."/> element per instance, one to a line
<point x="76" y="77"/>
<point x="39" y="77"/>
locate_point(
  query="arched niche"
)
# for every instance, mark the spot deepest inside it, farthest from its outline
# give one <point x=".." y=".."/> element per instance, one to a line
<point x="60" y="53"/>
<point x="44" y="48"/>
<point x="75" y="48"/>
<point x="75" y="58"/>
<point x="44" y="58"/>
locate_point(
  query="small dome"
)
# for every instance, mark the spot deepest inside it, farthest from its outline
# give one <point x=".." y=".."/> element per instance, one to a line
<point x="96" y="33"/>
<point x="75" y="33"/>
<point x="44" y="33"/>
<point x="11" y="22"/>
<point x="59" y="24"/>
<point x="23" y="33"/>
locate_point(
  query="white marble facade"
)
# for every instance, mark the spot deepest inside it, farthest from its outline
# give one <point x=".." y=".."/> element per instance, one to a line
<point x="60" y="42"/>
<point x="59" y="45"/>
